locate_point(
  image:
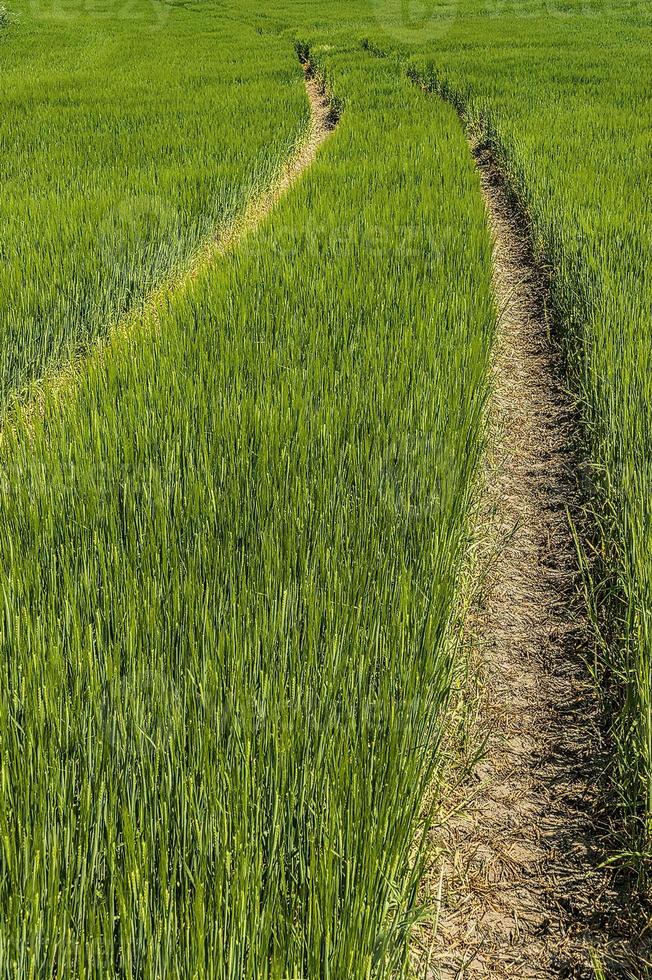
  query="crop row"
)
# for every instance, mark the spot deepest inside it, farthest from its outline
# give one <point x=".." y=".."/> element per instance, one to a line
<point x="230" y="554"/>
<point x="119" y="156"/>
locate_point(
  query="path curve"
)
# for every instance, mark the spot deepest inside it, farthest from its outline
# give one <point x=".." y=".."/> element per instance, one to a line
<point x="323" y="120"/>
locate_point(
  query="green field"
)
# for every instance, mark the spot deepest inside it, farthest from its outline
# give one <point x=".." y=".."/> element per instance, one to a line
<point x="120" y="157"/>
<point x="235" y="538"/>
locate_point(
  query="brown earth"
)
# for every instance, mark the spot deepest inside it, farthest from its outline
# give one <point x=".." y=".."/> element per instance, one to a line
<point x="521" y="890"/>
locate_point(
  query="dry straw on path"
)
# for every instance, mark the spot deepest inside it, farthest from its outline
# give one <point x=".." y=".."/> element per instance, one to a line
<point x="523" y="891"/>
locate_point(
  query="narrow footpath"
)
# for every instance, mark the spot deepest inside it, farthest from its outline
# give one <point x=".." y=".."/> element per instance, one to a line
<point x="523" y="895"/>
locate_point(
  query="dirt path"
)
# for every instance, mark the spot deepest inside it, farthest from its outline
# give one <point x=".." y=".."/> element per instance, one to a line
<point x="522" y="893"/>
<point x="322" y="122"/>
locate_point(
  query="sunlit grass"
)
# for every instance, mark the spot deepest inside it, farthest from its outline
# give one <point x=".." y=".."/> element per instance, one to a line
<point x="231" y="549"/>
<point x="229" y="562"/>
<point x="141" y="136"/>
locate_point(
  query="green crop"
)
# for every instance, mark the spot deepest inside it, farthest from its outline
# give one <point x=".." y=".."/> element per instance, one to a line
<point x="129" y="131"/>
<point x="231" y="543"/>
<point x="561" y="88"/>
<point x="229" y="552"/>
<point x="562" y="92"/>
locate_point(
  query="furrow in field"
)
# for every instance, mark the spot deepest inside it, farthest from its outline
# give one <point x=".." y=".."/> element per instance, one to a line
<point x="525" y="895"/>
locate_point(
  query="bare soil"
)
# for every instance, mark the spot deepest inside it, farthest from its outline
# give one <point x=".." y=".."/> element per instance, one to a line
<point x="522" y="891"/>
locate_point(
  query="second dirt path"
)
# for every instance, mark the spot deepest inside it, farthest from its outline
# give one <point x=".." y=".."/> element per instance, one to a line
<point x="524" y="897"/>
